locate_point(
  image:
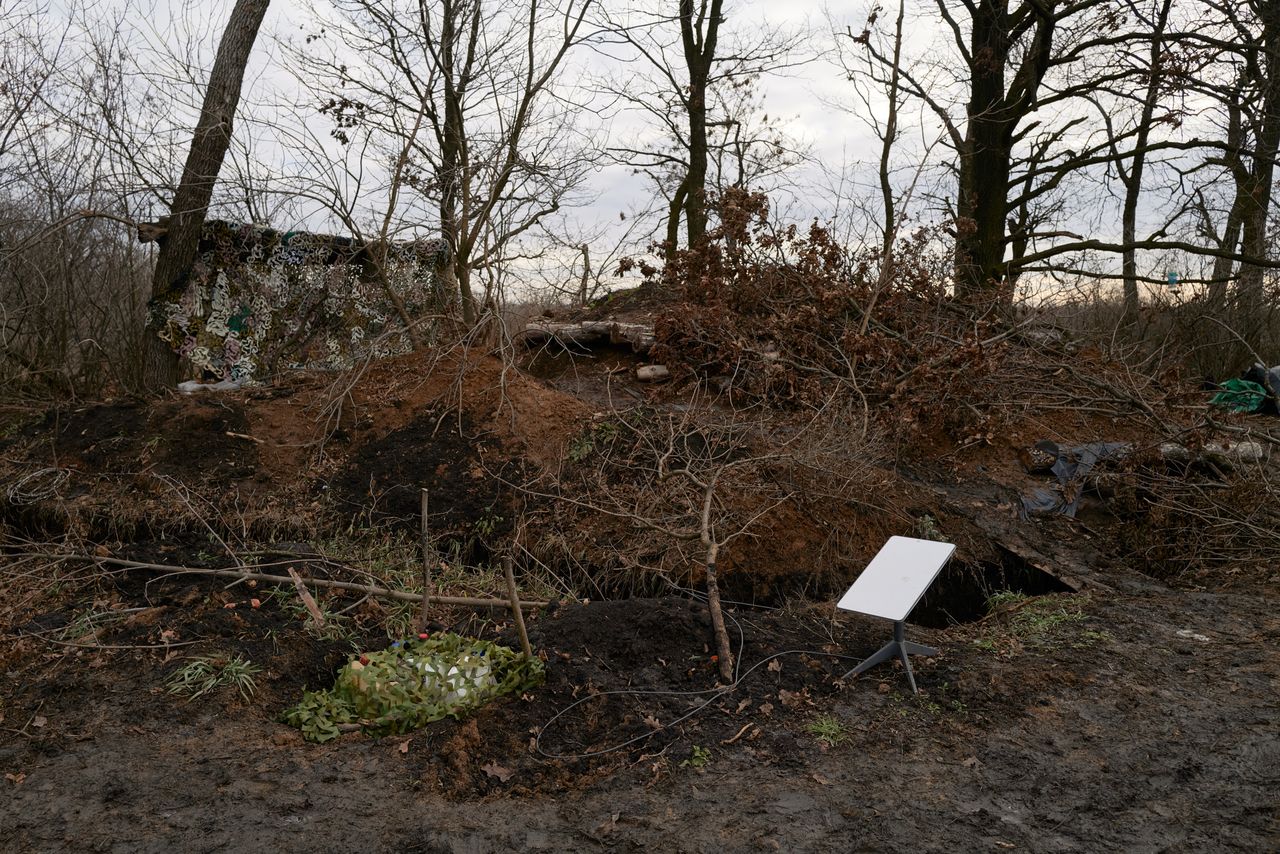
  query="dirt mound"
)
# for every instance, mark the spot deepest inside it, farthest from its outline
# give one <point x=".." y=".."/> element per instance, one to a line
<point x="463" y="473"/>
<point x="499" y="400"/>
<point x="285" y="458"/>
<point x="129" y="436"/>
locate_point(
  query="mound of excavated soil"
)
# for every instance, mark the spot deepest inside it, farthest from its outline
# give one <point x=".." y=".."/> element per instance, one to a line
<point x="295" y="456"/>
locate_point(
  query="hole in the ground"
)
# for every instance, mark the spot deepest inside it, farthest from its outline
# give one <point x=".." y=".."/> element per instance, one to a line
<point x="554" y="362"/>
<point x="960" y="593"/>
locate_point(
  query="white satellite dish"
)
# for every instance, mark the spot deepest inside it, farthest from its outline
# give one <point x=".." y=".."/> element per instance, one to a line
<point x="890" y="587"/>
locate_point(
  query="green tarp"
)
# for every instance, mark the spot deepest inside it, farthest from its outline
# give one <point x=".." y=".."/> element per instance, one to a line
<point x="1240" y="396"/>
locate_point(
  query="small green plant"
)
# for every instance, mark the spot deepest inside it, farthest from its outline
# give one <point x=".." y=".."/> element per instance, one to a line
<point x="90" y="622"/>
<point x="581" y="447"/>
<point x="1004" y="599"/>
<point x="1091" y="637"/>
<point x="699" y="758"/>
<point x="201" y="675"/>
<point x="1033" y="622"/>
<point x="487" y="525"/>
<point x="586" y="443"/>
<point x="927" y="528"/>
<point x="1037" y="622"/>
<point x="829" y="730"/>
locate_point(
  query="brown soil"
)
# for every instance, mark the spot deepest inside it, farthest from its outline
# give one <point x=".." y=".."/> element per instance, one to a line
<point x="1129" y="715"/>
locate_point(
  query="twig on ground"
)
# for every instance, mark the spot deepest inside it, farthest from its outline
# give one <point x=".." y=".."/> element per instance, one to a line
<point x="247" y="575"/>
<point x="515" y="605"/>
<point x="307" y="599"/>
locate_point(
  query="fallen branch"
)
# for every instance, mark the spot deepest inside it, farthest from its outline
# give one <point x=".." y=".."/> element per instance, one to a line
<point x="246" y="575"/>
<point x="514" y="598"/>
<point x="588" y="332"/>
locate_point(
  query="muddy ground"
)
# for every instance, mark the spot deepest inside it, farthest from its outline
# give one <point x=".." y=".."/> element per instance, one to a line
<point x="1145" y="721"/>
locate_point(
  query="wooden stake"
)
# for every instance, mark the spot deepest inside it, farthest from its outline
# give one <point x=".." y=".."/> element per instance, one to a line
<point x="427" y="557"/>
<point x="515" y="605"/>
<point x="307" y="599"/>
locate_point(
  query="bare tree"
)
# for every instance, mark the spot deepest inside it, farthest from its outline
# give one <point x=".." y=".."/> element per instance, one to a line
<point x="699" y="96"/>
<point x="191" y="201"/>
<point x="1249" y="48"/>
<point x="710" y="477"/>
<point x="461" y="97"/>
<point x="1131" y="174"/>
<point x="1030" y="146"/>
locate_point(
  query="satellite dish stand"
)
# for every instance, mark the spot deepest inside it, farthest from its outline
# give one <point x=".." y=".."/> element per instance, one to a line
<point x="899" y="647"/>
<point x="889" y="588"/>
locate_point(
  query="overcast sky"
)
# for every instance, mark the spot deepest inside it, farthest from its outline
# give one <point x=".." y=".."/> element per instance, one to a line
<point x="802" y="97"/>
<point x="817" y="105"/>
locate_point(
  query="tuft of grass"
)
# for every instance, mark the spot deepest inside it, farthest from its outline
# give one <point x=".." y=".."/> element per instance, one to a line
<point x="201" y="675"/>
<point x="927" y="528"/>
<point x="1035" y="622"/>
<point x="828" y="729"/>
<point x="1038" y="623"/>
<point x="394" y="560"/>
<point x="1004" y="599"/>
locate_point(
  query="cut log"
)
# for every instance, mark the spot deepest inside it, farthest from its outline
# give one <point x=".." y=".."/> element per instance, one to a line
<point x="652" y="373"/>
<point x="586" y="333"/>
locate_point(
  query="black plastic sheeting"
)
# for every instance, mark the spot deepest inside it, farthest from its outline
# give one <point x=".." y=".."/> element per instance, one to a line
<point x="1269" y="379"/>
<point x="1071" y="467"/>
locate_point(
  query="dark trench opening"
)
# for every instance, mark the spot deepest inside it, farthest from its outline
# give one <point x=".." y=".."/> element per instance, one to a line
<point x="961" y="591"/>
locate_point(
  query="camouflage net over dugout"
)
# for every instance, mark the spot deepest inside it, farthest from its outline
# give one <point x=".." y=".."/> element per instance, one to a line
<point x="259" y="299"/>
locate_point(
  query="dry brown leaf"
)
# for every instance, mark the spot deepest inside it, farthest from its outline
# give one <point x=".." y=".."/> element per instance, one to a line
<point x="39" y="721"/>
<point x="493" y="769"/>
<point x="15" y="779"/>
<point x="404" y="746"/>
<point x="766" y="709"/>
<point x="775" y="666"/>
<point x="794" y="699"/>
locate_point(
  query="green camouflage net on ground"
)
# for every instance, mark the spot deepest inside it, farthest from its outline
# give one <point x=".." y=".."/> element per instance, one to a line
<point x="413" y="683"/>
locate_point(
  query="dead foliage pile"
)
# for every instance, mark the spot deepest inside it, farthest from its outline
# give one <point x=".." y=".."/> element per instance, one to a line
<point x="789" y="320"/>
<point x="656" y="493"/>
<point x="790" y="317"/>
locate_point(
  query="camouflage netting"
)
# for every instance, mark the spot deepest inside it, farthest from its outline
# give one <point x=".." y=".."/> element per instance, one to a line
<point x="259" y="300"/>
<point x="413" y="683"/>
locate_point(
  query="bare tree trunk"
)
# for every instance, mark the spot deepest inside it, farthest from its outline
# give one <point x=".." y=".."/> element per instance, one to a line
<point x="886" y="144"/>
<point x="986" y="157"/>
<point x="1133" y="180"/>
<point x="586" y="274"/>
<point x="698" y="36"/>
<point x="673" y="218"/>
<point x="191" y="202"/>
<point x="1253" y="241"/>
<point x="1229" y="242"/>
<point x="453" y="148"/>
<point x="723" y="650"/>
